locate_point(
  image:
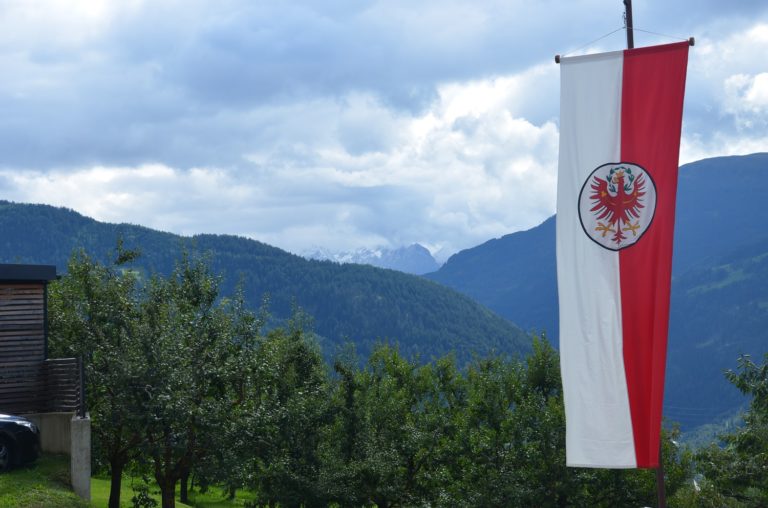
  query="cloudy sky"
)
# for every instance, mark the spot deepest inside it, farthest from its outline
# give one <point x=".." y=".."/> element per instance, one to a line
<point x="335" y="123"/>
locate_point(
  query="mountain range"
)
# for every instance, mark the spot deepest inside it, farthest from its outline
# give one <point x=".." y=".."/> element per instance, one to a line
<point x="348" y="302"/>
<point x="719" y="301"/>
<point x="415" y="259"/>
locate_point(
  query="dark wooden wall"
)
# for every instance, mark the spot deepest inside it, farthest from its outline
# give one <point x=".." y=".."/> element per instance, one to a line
<point x="22" y="322"/>
<point x="28" y="382"/>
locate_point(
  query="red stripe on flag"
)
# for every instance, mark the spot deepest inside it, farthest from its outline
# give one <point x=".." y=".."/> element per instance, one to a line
<point x="651" y="119"/>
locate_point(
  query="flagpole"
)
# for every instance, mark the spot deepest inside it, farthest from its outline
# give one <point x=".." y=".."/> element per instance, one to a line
<point x="628" y="18"/>
<point x="661" y="494"/>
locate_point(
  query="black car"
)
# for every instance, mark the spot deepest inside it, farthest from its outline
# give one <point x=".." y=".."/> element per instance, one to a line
<point x="19" y="441"/>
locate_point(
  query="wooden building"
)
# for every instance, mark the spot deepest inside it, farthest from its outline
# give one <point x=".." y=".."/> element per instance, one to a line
<point x="29" y="381"/>
<point x="48" y="391"/>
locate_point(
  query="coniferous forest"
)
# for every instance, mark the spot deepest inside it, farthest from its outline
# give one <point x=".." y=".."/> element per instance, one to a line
<point x="188" y="388"/>
<point x="347" y="302"/>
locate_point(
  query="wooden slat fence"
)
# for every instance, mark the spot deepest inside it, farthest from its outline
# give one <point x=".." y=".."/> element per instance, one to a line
<point x="63" y="385"/>
<point x="40" y="387"/>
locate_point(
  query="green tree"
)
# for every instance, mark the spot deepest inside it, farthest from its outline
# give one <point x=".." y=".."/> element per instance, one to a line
<point x="386" y="442"/>
<point x="236" y="441"/>
<point x="93" y="313"/>
<point x="737" y="473"/>
<point x="510" y="445"/>
<point x="190" y="370"/>
<point x="288" y="408"/>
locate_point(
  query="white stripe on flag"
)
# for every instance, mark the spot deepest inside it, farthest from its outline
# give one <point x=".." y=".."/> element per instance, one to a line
<point x="599" y="426"/>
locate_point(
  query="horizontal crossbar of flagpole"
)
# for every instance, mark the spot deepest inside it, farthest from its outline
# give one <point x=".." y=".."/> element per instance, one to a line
<point x="691" y="42"/>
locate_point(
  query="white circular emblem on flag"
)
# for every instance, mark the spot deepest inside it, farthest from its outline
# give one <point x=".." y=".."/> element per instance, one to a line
<point x="616" y="204"/>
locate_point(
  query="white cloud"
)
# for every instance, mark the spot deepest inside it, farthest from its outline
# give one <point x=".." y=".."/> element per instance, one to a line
<point x="473" y="168"/>
<point x="352" y="172"/>
<point x="694" y="148"/>
<point x="727" y="94"/>
<point x="757" y="95"/>
<point x="746" y="98"/>
<point x="153" y="195"/>
<point x="66" y="25"/>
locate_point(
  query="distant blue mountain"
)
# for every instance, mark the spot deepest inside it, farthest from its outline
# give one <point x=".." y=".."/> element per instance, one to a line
<point x="414" y="259"/>
<point x="719" y="292"/>
<point x="514" y="275"/>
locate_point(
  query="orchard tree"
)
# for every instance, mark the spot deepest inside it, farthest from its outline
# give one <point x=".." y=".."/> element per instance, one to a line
<point x="387" y="441"/>
<point x="93" y="313"/>
<point x="192" y="344"/>
<point x="289" y="408"/>
<point x="737" y="474"/>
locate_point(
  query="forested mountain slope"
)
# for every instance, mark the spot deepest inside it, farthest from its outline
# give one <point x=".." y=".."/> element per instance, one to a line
<point x="355" y="303"/>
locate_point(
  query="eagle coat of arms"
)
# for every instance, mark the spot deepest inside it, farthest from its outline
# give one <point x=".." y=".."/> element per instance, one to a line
<point x="616" y="204"/>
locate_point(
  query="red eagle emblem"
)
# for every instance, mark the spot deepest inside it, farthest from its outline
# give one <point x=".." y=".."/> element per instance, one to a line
<point x="617" y="201"/>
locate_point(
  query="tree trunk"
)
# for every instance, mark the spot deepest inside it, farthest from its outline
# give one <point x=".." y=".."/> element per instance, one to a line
<point x="116" y="469"/>
<point x="168" y="492"/>
<point x="184" y="487"/>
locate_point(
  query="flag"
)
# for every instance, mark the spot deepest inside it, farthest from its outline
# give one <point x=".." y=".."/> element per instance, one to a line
<point x="620" y="121"/>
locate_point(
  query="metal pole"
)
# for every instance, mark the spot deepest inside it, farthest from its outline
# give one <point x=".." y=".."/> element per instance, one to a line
<point x="81" y="369"/>
<point x="45" y="320"/>
<point x="661" y="494"/>
<point x="630" y="32"/>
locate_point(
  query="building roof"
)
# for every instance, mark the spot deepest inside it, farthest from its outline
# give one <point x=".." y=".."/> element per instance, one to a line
<point x="20" y="273"/>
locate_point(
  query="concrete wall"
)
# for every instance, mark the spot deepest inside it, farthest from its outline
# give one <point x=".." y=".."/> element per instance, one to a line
<point x="55" y="431"/>
<point x="67" y="433"/>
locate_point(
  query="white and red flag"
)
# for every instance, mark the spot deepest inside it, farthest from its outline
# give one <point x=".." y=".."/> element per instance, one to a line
<point x="620" y="121"/>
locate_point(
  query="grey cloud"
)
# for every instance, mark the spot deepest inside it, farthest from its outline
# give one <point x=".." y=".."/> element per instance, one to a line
<point x="178" y="82"/>
<point x="304" y="108"/>
<point x="672" y="17"/>
<point x="255" y="52"/>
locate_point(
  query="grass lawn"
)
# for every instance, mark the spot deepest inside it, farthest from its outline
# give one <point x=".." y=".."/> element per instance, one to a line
<point x="214" y="498"/>
<point x="43" y="484"/>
